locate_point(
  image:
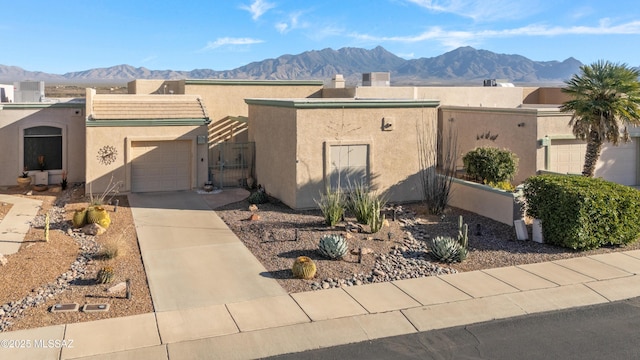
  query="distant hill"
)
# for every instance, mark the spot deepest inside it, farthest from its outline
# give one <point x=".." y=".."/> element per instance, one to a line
<point x="462" y="65"/>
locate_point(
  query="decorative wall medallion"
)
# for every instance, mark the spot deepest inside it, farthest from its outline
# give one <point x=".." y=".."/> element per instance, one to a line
<point x="107" y="154"/>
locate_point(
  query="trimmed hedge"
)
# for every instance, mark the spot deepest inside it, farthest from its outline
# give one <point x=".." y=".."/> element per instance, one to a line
<point x="583" y="213"/>
<point x="490" y="165"/>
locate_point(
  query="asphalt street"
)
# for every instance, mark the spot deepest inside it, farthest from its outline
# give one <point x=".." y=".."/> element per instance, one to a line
<point x="607" y="331"/>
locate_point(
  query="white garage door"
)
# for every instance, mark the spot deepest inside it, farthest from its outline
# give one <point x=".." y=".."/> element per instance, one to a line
<point x="160" y="166"/>
<point x="616" y="163"/>
<point x="567" y="156"/>
<point x="619" y="163"/>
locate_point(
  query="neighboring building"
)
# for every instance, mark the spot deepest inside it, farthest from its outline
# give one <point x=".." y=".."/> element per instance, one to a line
<point x="55" y="130"/>
<point x="146" y="142"/>
<point x="168" y="135"/>
<point x="304" y="145"/>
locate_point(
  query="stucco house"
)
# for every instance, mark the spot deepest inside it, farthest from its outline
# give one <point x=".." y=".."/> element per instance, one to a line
<point x="163" y="135"/>
<point x="28" y="130"/>
<point x="305" y="145"/>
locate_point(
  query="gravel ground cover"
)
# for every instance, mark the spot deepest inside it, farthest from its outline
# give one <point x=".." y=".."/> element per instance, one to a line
<point x="399" y="251"/>
<point x="63" y="270"/>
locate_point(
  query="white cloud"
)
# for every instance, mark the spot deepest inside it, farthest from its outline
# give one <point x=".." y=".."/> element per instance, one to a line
<point x="282" y="27"/>
<point x="230" y="41"/>
<point x="406" y="55"/>
<point x="454" y="39"/>
<point x="148" y="59"/>
<point x="482" y="10"/>
<point x="292" y="23"/>
<point x="258" y="8"/>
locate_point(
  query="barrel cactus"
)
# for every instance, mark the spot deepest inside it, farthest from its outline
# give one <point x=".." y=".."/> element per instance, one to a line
<point x="98" y="215"/>
<point x="447" y="249"/>
<point x="79" y="218"/>
<point x="304" y="268"/>
<point x="105" y="275"/>
<point x="333" y="246"/>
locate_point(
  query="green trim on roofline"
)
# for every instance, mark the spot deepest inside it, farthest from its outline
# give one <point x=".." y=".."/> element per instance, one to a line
<point x="255" y="82"/>
<point x="343" y="103"/>
<point x="22" y="106"/>
<point x="539" y="112"/>
<point x="146" y="122"/>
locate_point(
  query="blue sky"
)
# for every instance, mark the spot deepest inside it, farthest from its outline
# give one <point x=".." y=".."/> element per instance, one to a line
<point x="72" y="35"/>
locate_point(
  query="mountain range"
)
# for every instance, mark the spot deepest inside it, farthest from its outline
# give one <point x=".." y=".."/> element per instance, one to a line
<point x="462" y="65"/>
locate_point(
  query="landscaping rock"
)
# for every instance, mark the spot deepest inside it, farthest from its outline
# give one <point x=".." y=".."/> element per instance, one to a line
<point x="3" y="260"/>
<point x="119" y="287"/>
<point x="254" y="217"/>
<point x="93" y="230"/>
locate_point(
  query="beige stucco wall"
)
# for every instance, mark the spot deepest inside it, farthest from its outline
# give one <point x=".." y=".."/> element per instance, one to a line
<point x="99" y="175"/>
<point x="274" y="131"/>
<point x="149" y="86"/>
<point x="513" y="129"/>
<point x="15" y="118"/>
<point x="226" y="98"/>
<point x="483" y="200"/>
<point x="306" y="133"/>
<point x="544" y="95"/>
<point x="448" y="95"/>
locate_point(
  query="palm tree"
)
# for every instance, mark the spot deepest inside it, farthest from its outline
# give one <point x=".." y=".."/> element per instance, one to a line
<point x="605" y="100"/>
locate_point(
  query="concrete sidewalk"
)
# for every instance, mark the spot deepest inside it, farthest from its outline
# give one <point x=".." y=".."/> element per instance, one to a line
<point x="204" y="317"/>
<point x="15" y="224"/>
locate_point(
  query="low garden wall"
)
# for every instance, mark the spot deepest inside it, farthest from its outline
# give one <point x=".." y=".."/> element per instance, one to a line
<point x="498" y="205"/>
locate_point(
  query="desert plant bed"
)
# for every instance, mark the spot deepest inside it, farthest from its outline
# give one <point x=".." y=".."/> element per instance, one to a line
<point x="398" y="251"/>
<point x="63" y="270"/>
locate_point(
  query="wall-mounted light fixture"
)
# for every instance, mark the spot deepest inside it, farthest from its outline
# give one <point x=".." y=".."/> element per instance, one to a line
<point x="521" y="124"/>
<point x="387" y="123"/>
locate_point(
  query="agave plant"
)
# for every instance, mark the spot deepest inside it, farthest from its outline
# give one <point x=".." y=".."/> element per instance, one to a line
<point x="333" y="246"/>
<point x="447" y="249"/>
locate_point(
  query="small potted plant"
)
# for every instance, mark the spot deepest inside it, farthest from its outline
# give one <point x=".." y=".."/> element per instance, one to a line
<point x="41" y="162"/>
<point x="24" y="179"/>
<point x="64" y="182"/>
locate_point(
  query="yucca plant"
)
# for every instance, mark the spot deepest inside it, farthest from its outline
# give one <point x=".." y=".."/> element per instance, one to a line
<point x="331" y="204"/>
<point x="359" y="202"/>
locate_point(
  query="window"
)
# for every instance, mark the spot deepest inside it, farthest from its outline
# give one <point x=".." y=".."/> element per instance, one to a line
<point x="43" y="141"/>
<point x="349" y="165"/>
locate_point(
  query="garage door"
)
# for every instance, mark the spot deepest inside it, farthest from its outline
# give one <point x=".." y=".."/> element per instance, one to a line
<point x="567" y="156"/>
<point x="619" y="163"/>
<point x="616" y="163"/>
<point x="160" y="166"/>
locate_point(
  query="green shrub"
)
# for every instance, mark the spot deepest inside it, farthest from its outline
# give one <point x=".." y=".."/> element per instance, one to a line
<point x="583" y="213"/>
<point x="490" y="165"/>
<point x="258" y="197"/>
<point x="505" y="185"/>
<point x="332" y="206"/>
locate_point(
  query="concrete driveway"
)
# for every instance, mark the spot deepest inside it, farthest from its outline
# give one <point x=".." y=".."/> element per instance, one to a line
<point x="191" y="257"/>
